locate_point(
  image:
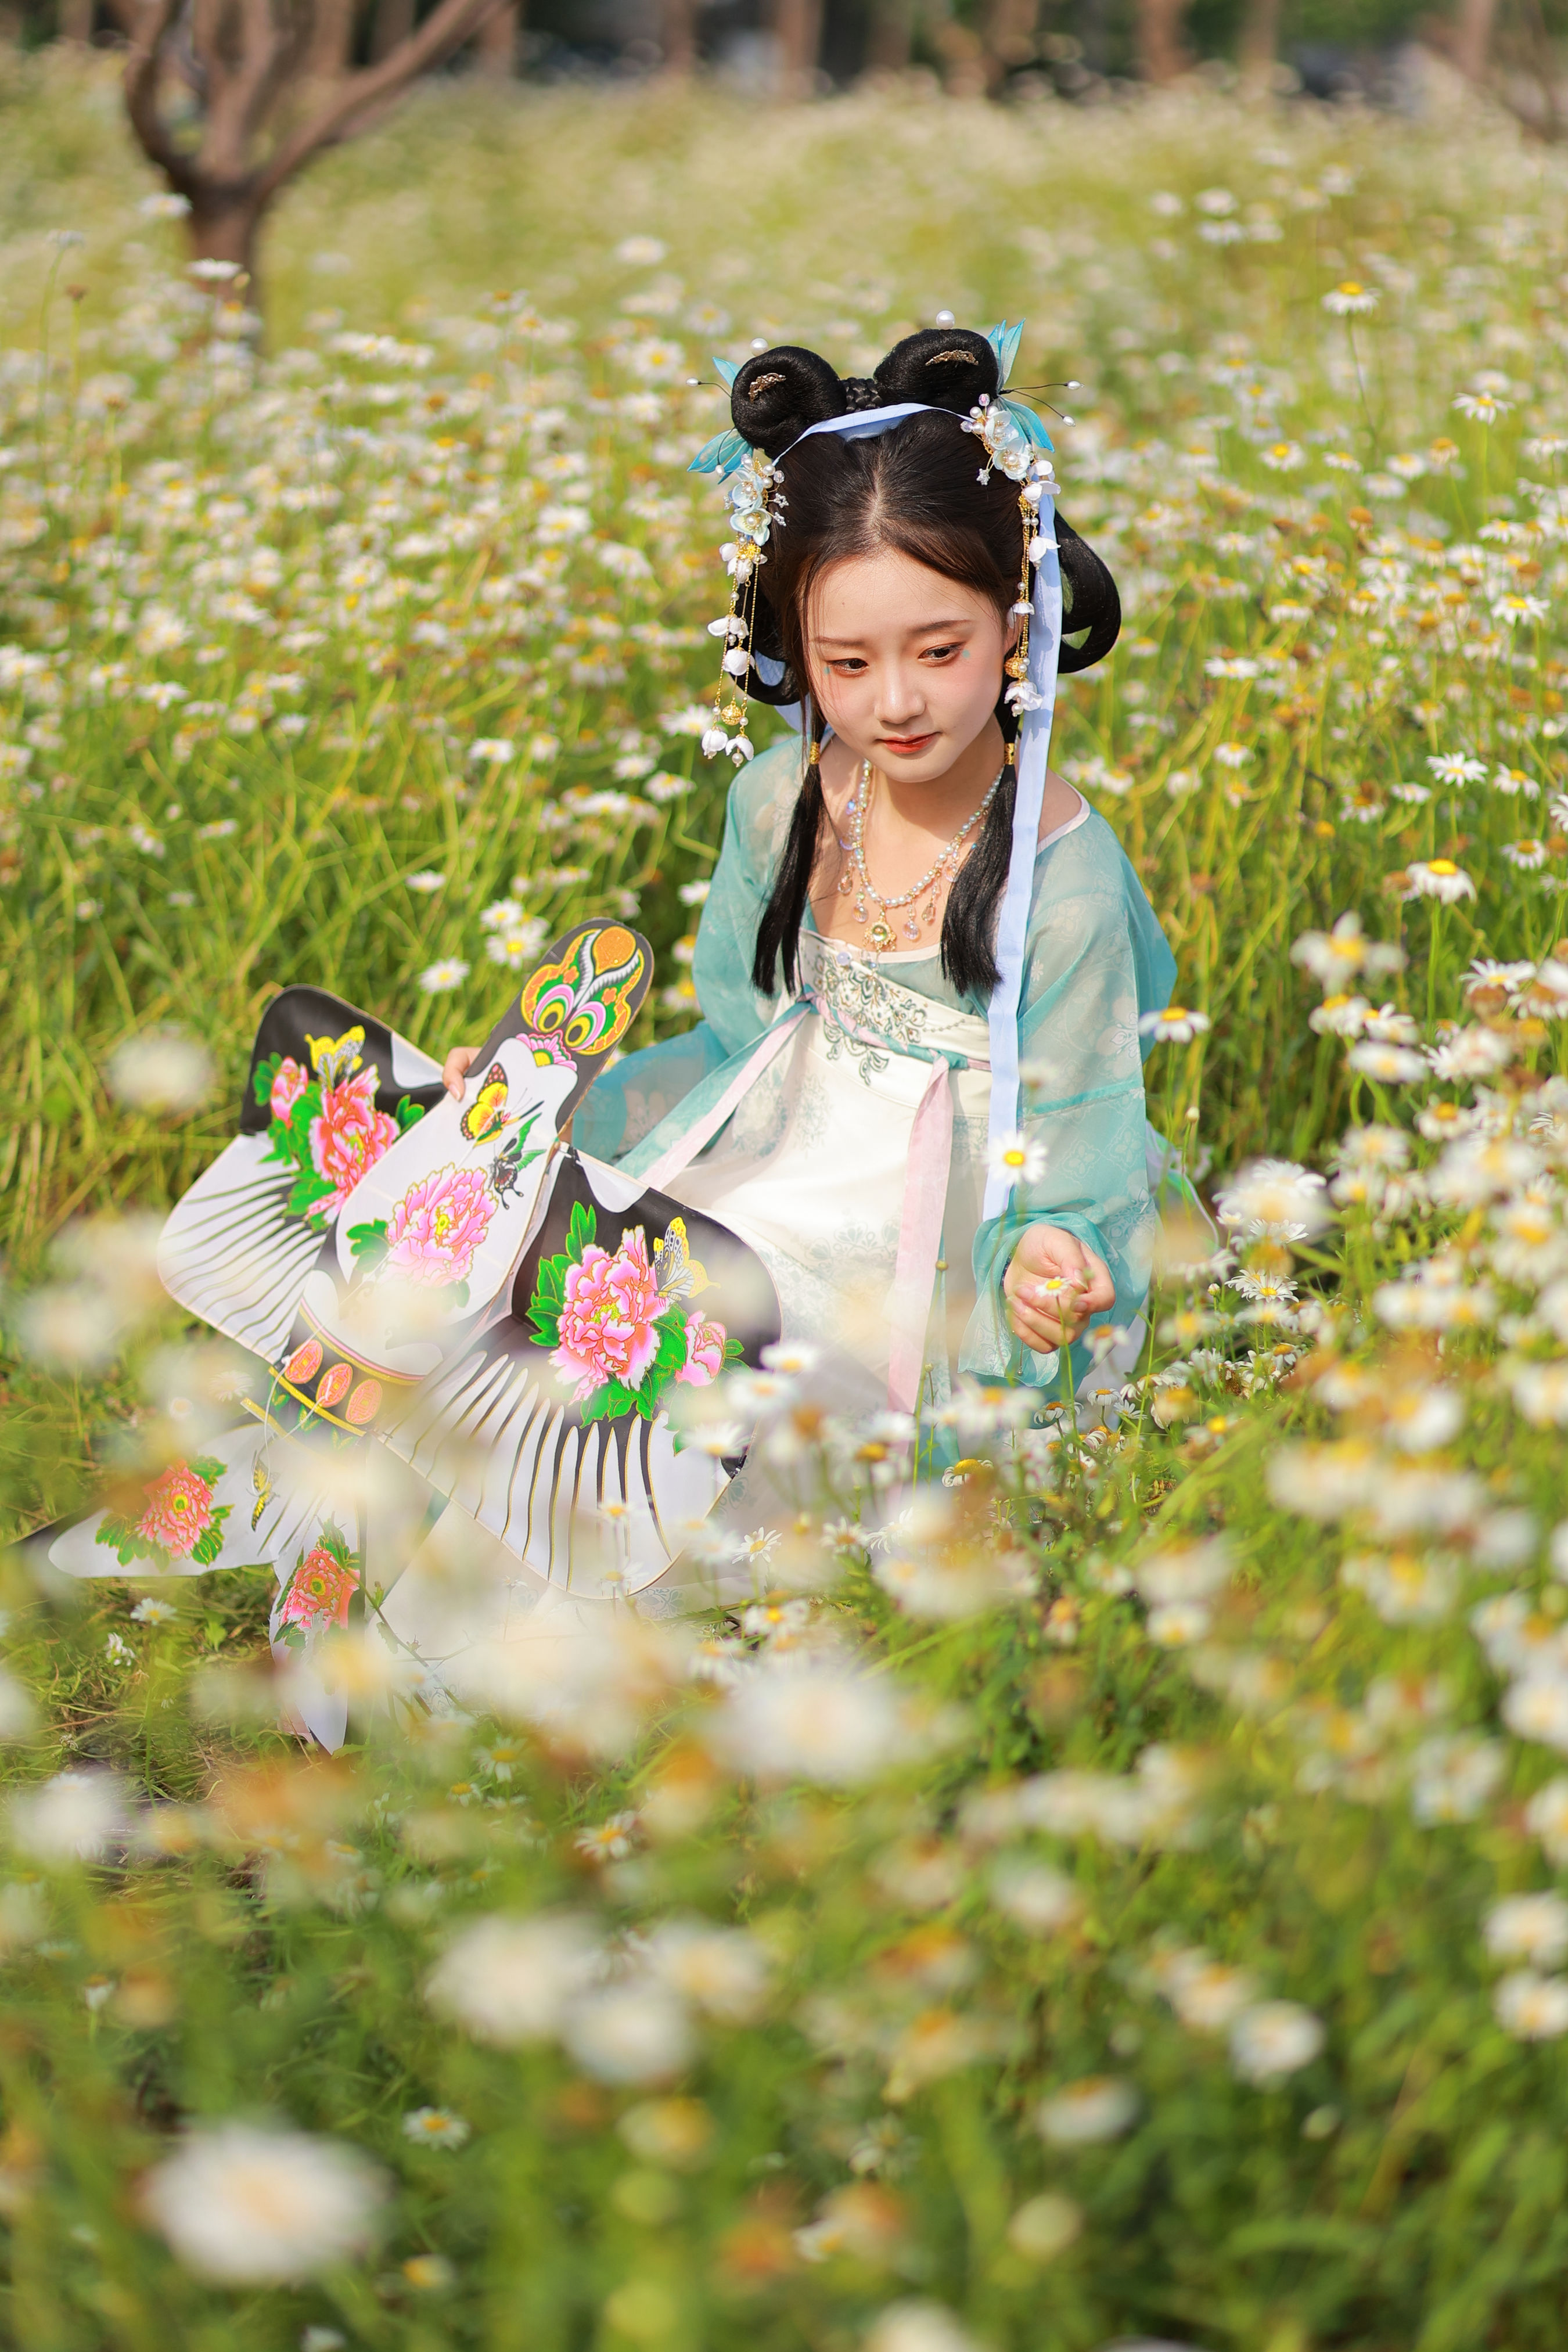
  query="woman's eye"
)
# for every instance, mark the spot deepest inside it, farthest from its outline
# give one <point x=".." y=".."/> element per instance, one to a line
<point x="848" y="665"/>
<point x="940" y="653"/>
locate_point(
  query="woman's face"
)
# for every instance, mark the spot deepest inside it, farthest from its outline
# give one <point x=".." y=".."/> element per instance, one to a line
<point x="906" y="664"/>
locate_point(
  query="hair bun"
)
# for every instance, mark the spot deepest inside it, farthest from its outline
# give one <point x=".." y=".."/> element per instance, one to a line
<point x="945" y="367"/>
<point x="778" y="395"/>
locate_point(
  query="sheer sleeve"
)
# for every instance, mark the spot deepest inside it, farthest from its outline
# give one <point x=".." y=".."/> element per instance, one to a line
<point x="648" y="1089"/>
<point x="1097" y="959"/>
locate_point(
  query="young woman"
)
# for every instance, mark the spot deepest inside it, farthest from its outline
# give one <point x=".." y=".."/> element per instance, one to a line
<point x="832" y="1105"/>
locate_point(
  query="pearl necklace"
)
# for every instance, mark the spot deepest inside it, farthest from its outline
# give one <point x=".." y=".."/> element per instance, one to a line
<point x="879" y="936"/>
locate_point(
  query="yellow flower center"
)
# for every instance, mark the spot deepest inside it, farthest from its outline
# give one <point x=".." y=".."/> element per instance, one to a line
<point x="1352" y="286"/>
<point x="1442" y="865"/>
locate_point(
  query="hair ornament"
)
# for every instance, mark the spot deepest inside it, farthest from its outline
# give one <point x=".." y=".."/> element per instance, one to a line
<point x="753" y="494"/>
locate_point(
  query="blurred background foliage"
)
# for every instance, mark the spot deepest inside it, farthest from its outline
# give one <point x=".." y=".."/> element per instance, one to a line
<point x="1375" y="51"/>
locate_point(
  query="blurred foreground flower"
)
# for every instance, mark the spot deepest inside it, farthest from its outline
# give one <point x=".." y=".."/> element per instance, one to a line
<point x="1531" y="2007"/>
<point x="1045" y="2227"/>
<point x="436" y="2127"/>
<point x="634" y="2032"/>
<point x="1274" y="1195"/>
<point x="1099" y="2107"/>
<point x="18" y="1714"/>
<point x="798" y="1719"/>
<point x="255" y="2208"/>
<point x="1018" y="1158"/>
<point x="165" y="1069"/>
<point x="1440" y="879"/>
<point x="919" y="2326"/>
<point x="587" y="1688"/>
<point x="1273" y="2038"/>
<point x="507" y="1981"/>
<point x="82" y="1324"/>
<point x="75" y="1817"/>
<point x="440" y="979"/>
<point x="1178" y="1024"/>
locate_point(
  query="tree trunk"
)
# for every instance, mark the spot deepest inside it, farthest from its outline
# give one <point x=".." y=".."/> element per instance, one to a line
<point x="1162" y="55"/>
<point x="495" y="43"/>
<point x="1259" y="44"/>
<point x="1473" y="38"/>
<point x="797" y="27"/>
<point x="76" y="21"/>
<point x="677" y="36"/>
<point x="331" y="40"/>
<point x="394" y="22"/>
<point x="889" y="41"/>
<point x="1007" y="29"/>
<point x="222" y="228"/>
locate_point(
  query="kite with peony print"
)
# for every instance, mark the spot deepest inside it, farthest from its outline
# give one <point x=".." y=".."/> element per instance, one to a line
<point x="616" y="1322"/>
<point x="179" y="1521"/>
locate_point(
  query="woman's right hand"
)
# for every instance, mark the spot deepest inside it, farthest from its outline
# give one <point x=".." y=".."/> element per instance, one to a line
<point x="455" y="1067"/>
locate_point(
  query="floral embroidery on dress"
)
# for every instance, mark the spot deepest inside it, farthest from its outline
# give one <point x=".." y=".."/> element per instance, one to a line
<point x="178" y="1521"/>
<point x="615" y="1322"/>
<point x="325" y="1120"/>
<point x="854" y="998"/>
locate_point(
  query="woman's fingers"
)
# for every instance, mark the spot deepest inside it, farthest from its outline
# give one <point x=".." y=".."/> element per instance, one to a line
<point x="1041" y="1332"/>
<point x="1043" y="1311"/>
<point x="1102" y="1291"/>
<point x="1053" y="1285"/>
<point x="455" y="1069"/>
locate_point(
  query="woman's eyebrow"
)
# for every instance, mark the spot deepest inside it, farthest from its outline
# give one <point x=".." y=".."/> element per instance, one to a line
<point x="920" y="629"/>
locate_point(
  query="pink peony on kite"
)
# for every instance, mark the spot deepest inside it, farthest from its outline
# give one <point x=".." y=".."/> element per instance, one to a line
<point x="180" y="1520"/>
<point x="319" y="1591"/>
<point x="179" y="1511"/>
<point x="609" y="1314"/>
<point x="289" y="1083"/>
<point x="435" y="1228"/>
<point x="704" y="1352"/>
<point x="615" y="1322"/>
<point x="348" y="1135"/>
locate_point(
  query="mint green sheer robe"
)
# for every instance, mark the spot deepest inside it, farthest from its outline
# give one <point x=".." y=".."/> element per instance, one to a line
<point x="1097" y="959"/>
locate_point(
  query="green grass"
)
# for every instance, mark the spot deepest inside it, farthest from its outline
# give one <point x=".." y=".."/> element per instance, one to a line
<point x="358" y="561"/>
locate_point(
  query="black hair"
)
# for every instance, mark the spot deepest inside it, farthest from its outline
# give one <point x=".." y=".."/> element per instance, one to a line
<point x="912" y="488"/>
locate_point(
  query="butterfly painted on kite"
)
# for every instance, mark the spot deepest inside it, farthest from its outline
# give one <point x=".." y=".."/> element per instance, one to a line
<point x="679" y="1274"/>
<point x="333" y="1059"/>
<point x="486" y="1115"/>
<point x="505" y="1171"/>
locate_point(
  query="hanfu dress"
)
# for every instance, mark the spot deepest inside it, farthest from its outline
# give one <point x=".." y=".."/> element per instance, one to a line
<point x="842" y="1132"/>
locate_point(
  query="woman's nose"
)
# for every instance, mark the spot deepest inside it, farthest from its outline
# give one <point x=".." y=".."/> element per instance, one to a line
<point x="899" y="696"/>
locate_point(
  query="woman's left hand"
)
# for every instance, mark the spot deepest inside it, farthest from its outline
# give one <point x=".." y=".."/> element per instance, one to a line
<point x="1053" y="1285"/>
